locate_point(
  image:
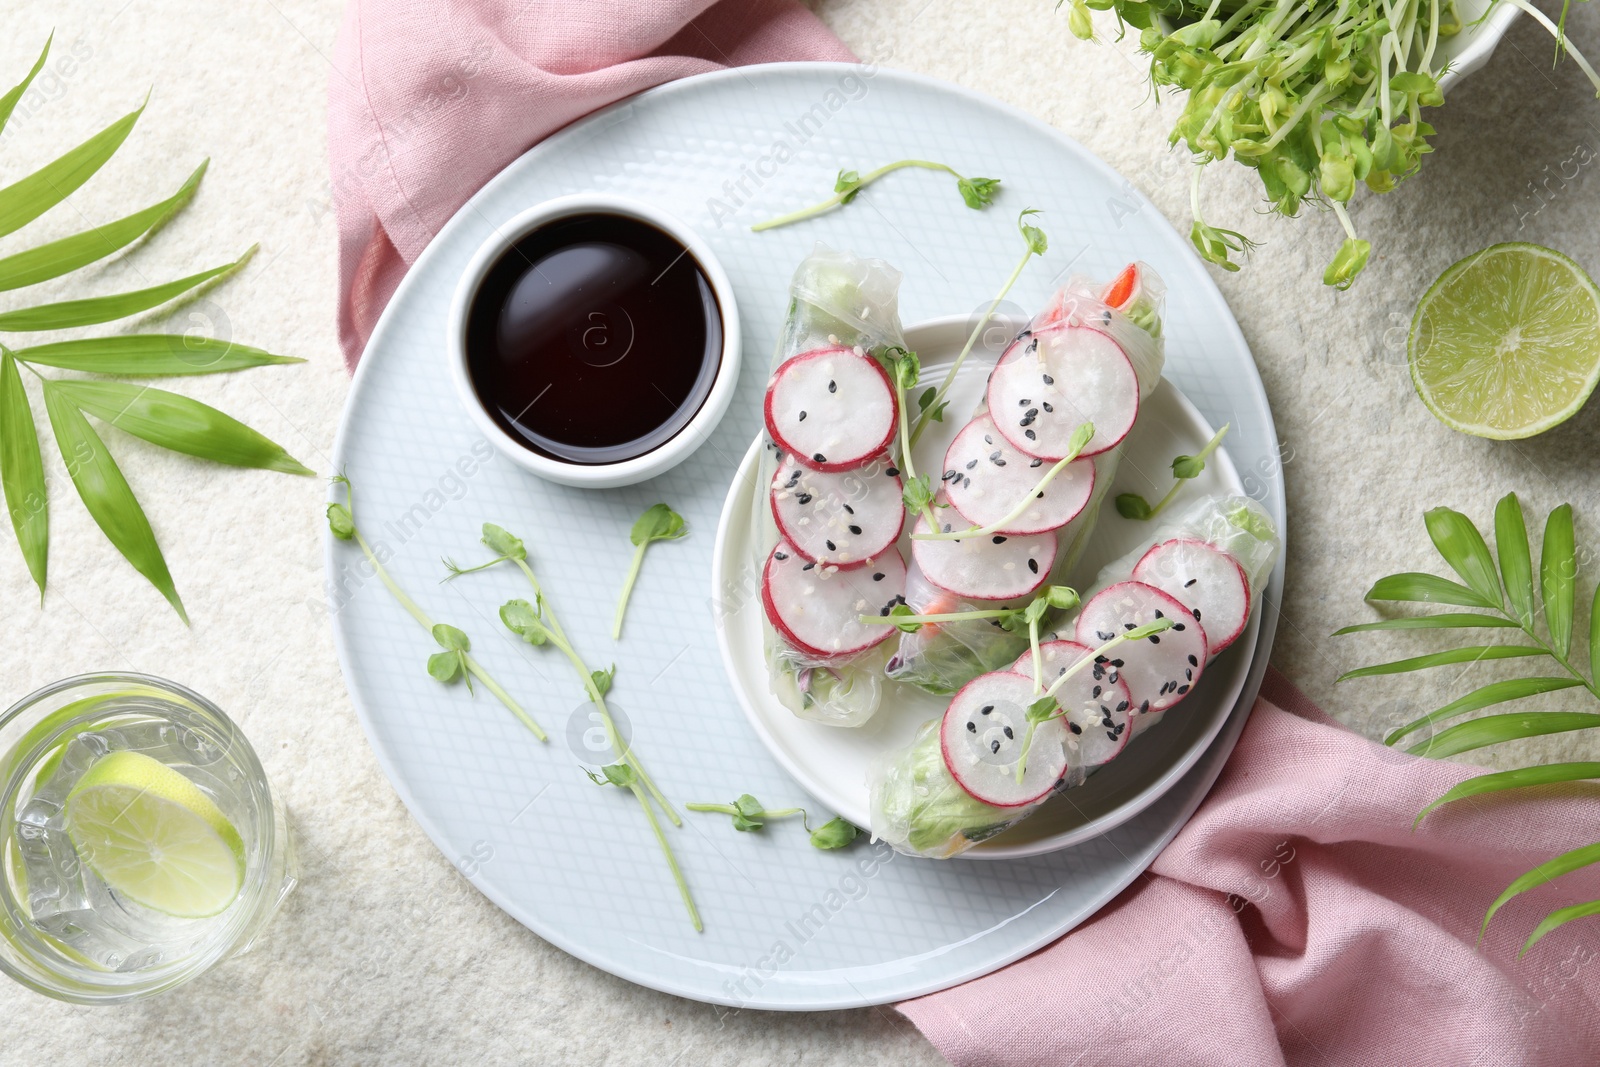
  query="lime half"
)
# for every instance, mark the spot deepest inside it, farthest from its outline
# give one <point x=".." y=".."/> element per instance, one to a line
<point x="1506" y="344"/>
<point x="153" y="836"/>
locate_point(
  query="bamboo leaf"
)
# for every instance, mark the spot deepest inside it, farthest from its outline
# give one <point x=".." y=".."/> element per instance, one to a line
<point x="1427" y="588"/>
<point x="1439" y="659"/>
<point x="1516" y="567"/>
<point x="105" y="492"/>
<point x="1560" y="917"/>
<point x="1522" y="777"/>
<point x="177" y="422"/>
<point x="22" y="472"/>
<point x="27" y="198"/>
<point x="1445" y="621"/>
<point x="97" y="309"/>
<point x="150" y="355"/>
<point x="1493" y="693"/>
<point x="1462" y="546"/>
<point x="1546" y="872"/>
<point x="1493" y="729"/>
<point x="68" y="254"/>
<point x="8" y="102"/>
<point x="1594" y="634"/>
<point x="1558" y="573"/>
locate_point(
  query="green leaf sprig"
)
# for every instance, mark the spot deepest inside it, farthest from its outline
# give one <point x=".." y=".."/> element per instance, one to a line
<point x="456" y="660"/>
<point x="1505" y="598"/>
<point x="976" y="193"/>
<point x="748" y="815"/>
<point x="536" y="623"/>
<point x="904" y="371"/>
<point x="904" y="619"/>
<point x="658" y="523"/>
<point x="165" y="419"/>
<point x="1184" y="468"/>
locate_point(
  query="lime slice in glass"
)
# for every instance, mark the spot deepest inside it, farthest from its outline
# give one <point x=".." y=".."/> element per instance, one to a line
<point x="150" y="834"/>
<point x="1506" y="344"/>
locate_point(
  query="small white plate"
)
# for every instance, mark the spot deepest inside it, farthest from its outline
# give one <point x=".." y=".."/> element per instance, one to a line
<point x="832" y="762"/>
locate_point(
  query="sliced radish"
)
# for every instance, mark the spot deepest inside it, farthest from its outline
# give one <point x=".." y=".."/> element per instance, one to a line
<point x="1098" y="709"/>
<point x="1058" y="380"/>
<point x="985" y="478"/>
<point x="1206" y="580"/>
<point x="830" y="408"/>
<point x="844" y="518"/>
<point x="981" y="738"/>
<point x="1159" y="670"/>
<point x="996" y="567"/>
<point x="815" y="606"/>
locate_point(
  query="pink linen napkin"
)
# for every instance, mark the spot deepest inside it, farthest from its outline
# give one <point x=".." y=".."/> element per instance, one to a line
<point x="428" y="100"/>
<point x="1298" y="919"/>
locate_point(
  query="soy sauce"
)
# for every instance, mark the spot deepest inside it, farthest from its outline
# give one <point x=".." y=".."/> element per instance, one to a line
<point x="594" y="339"/>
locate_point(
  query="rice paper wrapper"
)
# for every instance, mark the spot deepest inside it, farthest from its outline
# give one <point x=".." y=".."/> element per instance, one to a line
<point x="1237" y="525"/>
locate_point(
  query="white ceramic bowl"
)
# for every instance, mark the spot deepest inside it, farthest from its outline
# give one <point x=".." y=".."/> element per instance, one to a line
<point x="596" y="475"/>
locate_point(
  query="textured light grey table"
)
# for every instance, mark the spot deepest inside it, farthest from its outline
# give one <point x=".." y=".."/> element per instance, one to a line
<point x="385" y="954"/>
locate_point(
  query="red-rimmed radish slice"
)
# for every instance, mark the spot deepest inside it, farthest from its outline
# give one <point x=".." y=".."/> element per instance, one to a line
<point x="830" y="408"/>
<point x="981" y="739"/>
<point x="1159" y="670"/>
<point x="1098" y="709"/>
<point x="1204" y="579"/>
<point x="1057" y="381"/>
<point x="985" y="478"/>
<point x="816" y="606"/>
<point x="993" y="567"/>
<point x="845" y="517"/>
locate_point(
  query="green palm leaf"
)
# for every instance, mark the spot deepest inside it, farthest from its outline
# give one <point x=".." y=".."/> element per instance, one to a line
<point x="1516" y="567"/>
<point x="105" y="492"/>
<point x="8" y="102"/>
<point x="151" y="355"/>
<point x="1558" y="573"/>
<point x="1543" y="874"/>
<point x="1494" y="729"/>
<point x="1428" y="589"/>
<point x="22" y="472"/>
<point x="1449" y="620"/>
<point x="1441" y="659"/>
<point x="1462" y="546"/>
<point x="1520" y="778"/>
<point x="1560" y="917"/>
<point x="70" y="253"/>
<point x="27" y="198"/>
<point x="1493" y="693"/>
<point x="97" y="309"/>
<point x="1594" y="633"/>
<point x="176" y="422"/>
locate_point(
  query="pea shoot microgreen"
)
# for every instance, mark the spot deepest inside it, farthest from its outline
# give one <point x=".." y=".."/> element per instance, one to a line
<point x="455" y="661"/>
<point x="748" y="815"/>
<point x="904" y="370"/>
<point x="658" y="523"/>
<point x="1075" y="446"/>
<point x="1184" y="468"/>
<point x="1029" y="617"/>
<point x="976" y="193"/>
<point x="536" y="623"/>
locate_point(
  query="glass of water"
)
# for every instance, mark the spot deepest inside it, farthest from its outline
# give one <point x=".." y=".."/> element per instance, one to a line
<point x="140" y="843"/>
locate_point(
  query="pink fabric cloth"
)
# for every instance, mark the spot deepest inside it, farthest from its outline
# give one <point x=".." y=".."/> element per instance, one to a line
<point x="429" y="99"/>
<point x="1298" y="919"/>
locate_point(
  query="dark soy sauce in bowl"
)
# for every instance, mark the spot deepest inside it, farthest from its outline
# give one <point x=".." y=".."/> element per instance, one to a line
<point x="594" y="339"/>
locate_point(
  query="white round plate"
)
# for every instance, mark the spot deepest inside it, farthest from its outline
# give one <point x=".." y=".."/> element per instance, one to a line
<point x="786" y="926"/>
<point x="831" y="763"/>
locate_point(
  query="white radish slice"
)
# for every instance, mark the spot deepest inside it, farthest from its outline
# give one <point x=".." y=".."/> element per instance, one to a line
<point x="844" y="518"/>
<point x="1204" y="579"/>
<point x="1054" y="382"/>
<point x="981" y="739"/>
<point x="1159" y="670"/>
<point x="816" y="606"/>
<point x="1098" y="709"/>
<point x="985" y="479"/>
<point x="830" y="408"/>
<point x="994" y="567"/>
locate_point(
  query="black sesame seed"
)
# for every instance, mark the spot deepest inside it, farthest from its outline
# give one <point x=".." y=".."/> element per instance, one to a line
<point x="971" y="464"/>
<point x="802" y="499"/>
<point x="1155" y="639"/>
<point x="808" y="566"/>
<point x="1047" y="407"/>
<point x="893" y="472"/>
<point x="854" y="529"/>
<point x="1116" y="663"/>
<point x="1102" y="635"/>
<point x="1033" y="565"/>
<point x="819" y="457"/>
<point x="1177" y="626"/>
<point x="1196" y="613"/>
<point x="1190" y="582"/>
<point x="972" y="727"/>
<point x="802" y="416"/>
<point x="1112" y="677"/>
<point x="833" y="387"/>
<point x="1096" y="693"/>
<point x="877" y="576"/>
<point x="1123" y="706"/>
<point x="780" y="556"/>
<point x="1023" y="403"/>
<point x="1037" y="463"/>
<point x="1144" y="709"/>
<point x="1074" y="727"/>
<point x="848" y="510"/>
<point x="1188" y="674"/>
<point x="986" y="709"/>
<point x="831" y="546"/>
<point x="951" y="473"/>
<point x="1030" y="435"/>
<point x="988" y="440"/>
<point x="966" y="483"/>
<point x="1007" y="731"/>
<point x="1127" y="626"/>
<point x="1159" y="615"/>
<point x="1193" y="662"/>
<point x="994" y="746"/>
<point x="1183" y="689"/>
<point x="1049" y="380"/>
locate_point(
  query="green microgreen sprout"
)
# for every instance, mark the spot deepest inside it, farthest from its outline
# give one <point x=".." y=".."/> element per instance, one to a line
<point x="1052" y="597"/>
<point x="748" y="815"/>
<point x="455" y="660"/>
<point x="1047" y="707"/>
<point x="1075" y="445"/>
<point x="904" y="370"/>
<point x="658" y="523"/>
<point x="1134" y="506"/>
<point x="977" y="193"/>
<point x="931" y="404"/>
<point x="536" y="623"/>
